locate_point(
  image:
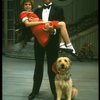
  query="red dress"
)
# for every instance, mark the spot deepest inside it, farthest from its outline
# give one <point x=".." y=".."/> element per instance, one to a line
<point x="37" y="30"/>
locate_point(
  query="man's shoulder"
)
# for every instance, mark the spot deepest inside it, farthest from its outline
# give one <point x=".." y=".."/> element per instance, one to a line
<point x="37" y="9"/>
<point x="57" y="7"/>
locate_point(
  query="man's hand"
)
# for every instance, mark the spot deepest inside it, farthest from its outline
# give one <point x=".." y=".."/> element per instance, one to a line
<point x="49" y="28"/>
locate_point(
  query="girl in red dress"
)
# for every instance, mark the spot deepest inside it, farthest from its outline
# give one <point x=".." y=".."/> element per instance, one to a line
<point x="42" y="29"/>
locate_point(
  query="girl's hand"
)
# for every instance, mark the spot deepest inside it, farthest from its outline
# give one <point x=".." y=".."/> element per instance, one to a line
<point x="49" y="27"/>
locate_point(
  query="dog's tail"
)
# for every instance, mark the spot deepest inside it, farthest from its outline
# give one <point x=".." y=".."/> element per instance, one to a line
<point x="74" y="92"/>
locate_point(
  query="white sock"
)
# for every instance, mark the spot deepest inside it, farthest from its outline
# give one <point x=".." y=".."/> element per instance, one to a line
<point x="70" y="46"/>
<point x="67" y="46"/>
<point x="62" y="45"/>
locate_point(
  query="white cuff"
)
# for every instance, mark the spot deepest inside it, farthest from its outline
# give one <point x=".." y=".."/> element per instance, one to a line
<point x="25" y="18"/>
<point x="69" y="44"/>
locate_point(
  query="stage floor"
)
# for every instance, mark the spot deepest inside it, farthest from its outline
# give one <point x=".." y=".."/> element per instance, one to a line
<point x="17" y="78"/>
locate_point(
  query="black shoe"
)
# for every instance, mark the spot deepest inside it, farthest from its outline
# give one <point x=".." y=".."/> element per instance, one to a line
<point x="55" y="98"/>
<point x="66" y="50"/>
<point x="62" y="51"/>
<point x="32" y="96"/>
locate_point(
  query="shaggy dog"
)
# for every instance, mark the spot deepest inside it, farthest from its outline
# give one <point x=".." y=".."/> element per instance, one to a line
<point x="63" y="82"/>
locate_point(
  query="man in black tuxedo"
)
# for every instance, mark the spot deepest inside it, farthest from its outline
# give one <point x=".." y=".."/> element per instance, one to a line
<point x="49" y="11"/>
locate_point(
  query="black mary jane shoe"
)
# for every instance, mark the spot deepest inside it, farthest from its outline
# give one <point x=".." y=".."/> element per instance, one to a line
<point x="62" y="51"/>
<point x="66" y="50"/>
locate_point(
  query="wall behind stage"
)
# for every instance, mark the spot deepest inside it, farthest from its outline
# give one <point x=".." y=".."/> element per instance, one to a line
<point x="75" y="9"/>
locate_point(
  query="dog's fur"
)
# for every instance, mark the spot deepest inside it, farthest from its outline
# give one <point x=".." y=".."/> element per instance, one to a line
<point x="63" y="82"/>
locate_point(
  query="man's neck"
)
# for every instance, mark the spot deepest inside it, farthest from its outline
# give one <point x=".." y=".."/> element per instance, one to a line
<point x="49" y="3"/>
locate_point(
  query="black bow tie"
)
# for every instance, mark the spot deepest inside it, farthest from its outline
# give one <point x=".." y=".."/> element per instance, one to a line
<point x="46" y="6"/>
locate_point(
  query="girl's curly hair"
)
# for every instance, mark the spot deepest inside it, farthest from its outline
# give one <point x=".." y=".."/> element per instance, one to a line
<point x="23" y="1"/>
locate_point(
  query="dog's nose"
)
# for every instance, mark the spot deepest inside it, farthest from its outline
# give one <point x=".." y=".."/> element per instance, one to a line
<point x="62" y="65"/>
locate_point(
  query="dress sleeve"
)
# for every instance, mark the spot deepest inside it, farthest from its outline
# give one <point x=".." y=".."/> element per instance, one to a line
<point x="23" y="16"/>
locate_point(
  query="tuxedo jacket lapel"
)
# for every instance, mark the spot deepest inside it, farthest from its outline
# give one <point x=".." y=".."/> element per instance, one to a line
<point x="40" y="13"/>
<point x="52" y="12"/>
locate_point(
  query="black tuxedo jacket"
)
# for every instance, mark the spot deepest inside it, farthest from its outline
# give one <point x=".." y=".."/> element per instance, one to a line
<point x="56" y="13"/>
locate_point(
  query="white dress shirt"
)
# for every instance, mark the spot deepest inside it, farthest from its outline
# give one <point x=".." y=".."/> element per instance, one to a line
<point x="45" y="15"/>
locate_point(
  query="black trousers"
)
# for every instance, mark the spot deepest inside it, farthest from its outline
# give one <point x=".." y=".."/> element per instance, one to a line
<point x="51" y="52"/>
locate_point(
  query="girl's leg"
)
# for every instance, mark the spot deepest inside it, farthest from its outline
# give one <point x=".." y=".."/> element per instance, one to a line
<point x="64" y="37"/>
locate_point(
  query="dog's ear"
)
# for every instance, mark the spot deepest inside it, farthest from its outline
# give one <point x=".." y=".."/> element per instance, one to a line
<point x="54" y="68"/>
<point x="70" y="62"/>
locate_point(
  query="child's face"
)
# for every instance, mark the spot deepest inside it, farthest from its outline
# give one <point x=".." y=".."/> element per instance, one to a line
<point x="27" y="6"/>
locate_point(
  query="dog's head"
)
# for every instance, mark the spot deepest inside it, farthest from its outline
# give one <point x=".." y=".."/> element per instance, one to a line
<point x="62" y="65"/>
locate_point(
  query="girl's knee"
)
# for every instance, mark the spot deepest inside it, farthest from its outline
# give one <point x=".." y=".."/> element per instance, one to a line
<point x="63" y="23"/>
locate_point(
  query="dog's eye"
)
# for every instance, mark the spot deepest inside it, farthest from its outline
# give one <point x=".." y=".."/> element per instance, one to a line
<point x="59" y="61"/>
<point x="65" y="60"/>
